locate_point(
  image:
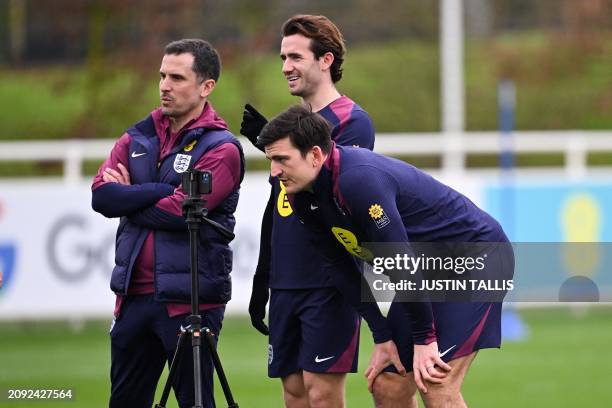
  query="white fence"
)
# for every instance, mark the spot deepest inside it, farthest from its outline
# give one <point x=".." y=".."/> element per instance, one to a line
<point x="453" y="148"/>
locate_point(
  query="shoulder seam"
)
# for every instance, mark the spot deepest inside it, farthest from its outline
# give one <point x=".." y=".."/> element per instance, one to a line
<point x="369" y="166"/>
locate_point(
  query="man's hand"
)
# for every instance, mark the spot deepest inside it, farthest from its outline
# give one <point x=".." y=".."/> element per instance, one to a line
<point x="427" y="365"/>
<point x="252" y="124"/>
<point x="258" y="302"/>
<point x="383" y="355"/>
<point x="122" y="176"/>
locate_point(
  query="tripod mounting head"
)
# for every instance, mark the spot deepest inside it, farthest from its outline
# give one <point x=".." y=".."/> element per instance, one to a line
<point x="195" y="184"/>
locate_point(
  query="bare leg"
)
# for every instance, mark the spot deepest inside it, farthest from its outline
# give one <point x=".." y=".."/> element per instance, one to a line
<point x="394" y="391"/>
<point x="448" y="393"/>
<point x="325" y="390"/>
<point x="294" y="391"/>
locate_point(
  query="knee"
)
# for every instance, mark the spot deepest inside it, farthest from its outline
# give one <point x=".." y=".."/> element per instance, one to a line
<point x="384" y="385"/>
<point x="392" y="390"/>
<point x="295" y="401"/>
<point x="325" y="390"/>
<point x="441" y="396"/>
<point x="318" y="397"/>
<point x="448" y="392"/>
<point x="295" y="397"/>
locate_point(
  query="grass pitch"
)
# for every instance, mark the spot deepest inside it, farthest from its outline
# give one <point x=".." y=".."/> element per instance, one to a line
<point x="565" y="362"/>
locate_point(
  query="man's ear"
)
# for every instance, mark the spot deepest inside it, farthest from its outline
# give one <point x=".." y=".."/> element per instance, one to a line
<point x="326" y="60"/>
<point x="207" y="87"/>
<point x="318" y="157"/>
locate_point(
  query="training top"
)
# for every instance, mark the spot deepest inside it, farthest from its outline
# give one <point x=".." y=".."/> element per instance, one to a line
<point x="361" y="196"/>
<point x="296" y="261"/>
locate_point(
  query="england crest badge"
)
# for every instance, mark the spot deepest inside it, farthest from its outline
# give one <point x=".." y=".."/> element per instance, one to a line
<point x="181" y="162"/>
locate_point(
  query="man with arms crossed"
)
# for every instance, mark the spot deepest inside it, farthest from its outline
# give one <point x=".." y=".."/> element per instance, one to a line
<point x="306" y="310"/>
<point x="141" y="183"/>
<point x="373" y="198"/>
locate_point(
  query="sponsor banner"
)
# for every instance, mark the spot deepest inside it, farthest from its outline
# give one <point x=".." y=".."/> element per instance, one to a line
<point x="552" y="211"/>
<point x="56" y="253"/>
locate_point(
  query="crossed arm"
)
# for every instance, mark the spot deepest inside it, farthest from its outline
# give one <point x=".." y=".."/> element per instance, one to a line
<point x="158" y="205"/>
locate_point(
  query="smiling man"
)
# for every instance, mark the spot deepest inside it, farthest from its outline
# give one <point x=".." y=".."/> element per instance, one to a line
<point x="314" y="328"/>
<point x="140" y="183"/>
<point x="377" y="199"/>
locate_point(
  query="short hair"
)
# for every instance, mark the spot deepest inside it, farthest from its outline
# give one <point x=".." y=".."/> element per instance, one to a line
<point x="206" y="61"/>
<point x="304" y="128"/>
<point x="324" y="37"/>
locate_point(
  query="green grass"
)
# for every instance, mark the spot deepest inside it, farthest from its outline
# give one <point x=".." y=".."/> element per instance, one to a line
<point x="559" y="84"/>
<point x="565" y="363"/>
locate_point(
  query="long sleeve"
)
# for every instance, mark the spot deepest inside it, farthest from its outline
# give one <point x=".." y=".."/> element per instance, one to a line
<point x="116" y="200"/>
<point x="370" y="195"/>
<point x="346" y="275"/>
<point x="344" y="279"/>
<point x="265" y="239"/>
<point x="166" y="214"/>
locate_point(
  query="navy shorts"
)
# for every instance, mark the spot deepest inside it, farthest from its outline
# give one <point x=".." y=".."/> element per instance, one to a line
<point x="461" y="329"/>
<point x="313" y="330"/>
<point x="143" y="339"/>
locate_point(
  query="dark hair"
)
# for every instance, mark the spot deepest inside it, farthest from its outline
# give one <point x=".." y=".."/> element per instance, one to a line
<point x="324" y="37"/>
<point x="304" y="128"/>
<point x="206" y="61"/>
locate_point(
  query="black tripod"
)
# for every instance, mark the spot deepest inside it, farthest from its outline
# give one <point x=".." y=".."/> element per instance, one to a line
<point x="196" y="183"/>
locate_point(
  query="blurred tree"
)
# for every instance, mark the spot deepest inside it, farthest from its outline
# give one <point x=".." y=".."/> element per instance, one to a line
<point x="93" y="63"/>
<point x="16" y="29"/>
<point x="569" y="32"/>
<point x="125" y="42"/>
<point x="479" y="18"/>
<point x="584" y="22"/>
<point x="258" y="35"/>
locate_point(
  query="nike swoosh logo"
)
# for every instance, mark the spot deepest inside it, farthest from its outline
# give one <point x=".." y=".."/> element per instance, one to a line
<point x="313" y="207"/>
<point x="442" y="354"/>
<point x="134" y="154"/>
<point x="320" y="360"/>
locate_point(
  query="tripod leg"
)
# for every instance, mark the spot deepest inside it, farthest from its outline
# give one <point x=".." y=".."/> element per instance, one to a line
<point x="196" y="343"/>
<point x="176" y="360"/>
<point x="219" y="368"/>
